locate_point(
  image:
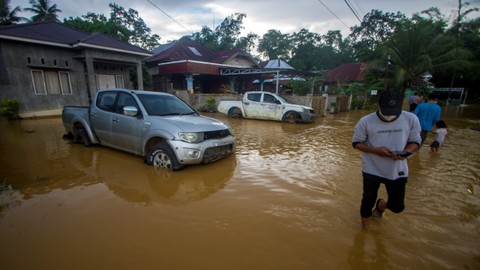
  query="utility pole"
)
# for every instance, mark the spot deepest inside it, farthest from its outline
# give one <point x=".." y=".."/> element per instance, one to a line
<point x="456" y="50"/>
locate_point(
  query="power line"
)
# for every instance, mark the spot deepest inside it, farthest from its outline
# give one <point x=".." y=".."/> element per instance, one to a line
<point x="170" y="17"/>
<point x="359" y="5"/>
<point x="333" y="13"/>
<point x="353" y="11"/>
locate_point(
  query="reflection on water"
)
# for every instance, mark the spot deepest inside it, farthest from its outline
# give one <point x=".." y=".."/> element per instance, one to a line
<point x="130" y="179"/>
<point x="288" y="199"/>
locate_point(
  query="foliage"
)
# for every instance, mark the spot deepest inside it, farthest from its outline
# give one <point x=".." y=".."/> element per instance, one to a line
<point x="98" y="23"/>
<point x="10" y="108"/>
<point x="122" y="24"/>
<point x="210" y="105"/>
<point x="275" y="45"/>
<point x="43" y="11"/>
<point x="226" y="89"/>
<point x="227" y="35"/>
<point x="375" y="28"/>
<point x="418" y="48"/>
<point x="301" y="88"/>
<point x="9" y="16"/>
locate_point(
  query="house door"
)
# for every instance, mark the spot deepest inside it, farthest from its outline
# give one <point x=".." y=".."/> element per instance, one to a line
<point x="105" y="81"/>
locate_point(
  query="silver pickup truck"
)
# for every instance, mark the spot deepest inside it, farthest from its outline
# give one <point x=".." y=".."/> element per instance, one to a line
<point x="162" y="128"/>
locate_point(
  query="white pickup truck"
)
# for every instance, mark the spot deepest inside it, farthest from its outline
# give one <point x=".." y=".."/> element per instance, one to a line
<point x="266" y="106"/>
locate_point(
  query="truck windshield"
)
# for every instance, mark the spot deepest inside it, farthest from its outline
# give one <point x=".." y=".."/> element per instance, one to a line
<point x="163" y="105"/>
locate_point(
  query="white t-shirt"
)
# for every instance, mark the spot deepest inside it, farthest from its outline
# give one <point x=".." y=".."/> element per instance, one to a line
<point x="441" y="132"/>
<point x="395" y="135"/>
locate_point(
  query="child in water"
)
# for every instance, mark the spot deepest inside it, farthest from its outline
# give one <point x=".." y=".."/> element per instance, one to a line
<point x="441" y="133"/>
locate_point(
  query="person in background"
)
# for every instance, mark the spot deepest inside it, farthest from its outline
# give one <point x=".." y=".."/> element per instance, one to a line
<point x="428" y="113"/>
<point x="385" y="138"/>
<point x="441" y="133"/>
<point x="413" y="101"/>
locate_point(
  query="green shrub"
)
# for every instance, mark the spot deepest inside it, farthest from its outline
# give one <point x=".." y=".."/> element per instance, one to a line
<point x="10" y="108"/>
<point x="210" y="105"/>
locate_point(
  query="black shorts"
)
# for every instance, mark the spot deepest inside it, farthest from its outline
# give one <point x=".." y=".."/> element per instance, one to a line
<point x="435" y="144"/>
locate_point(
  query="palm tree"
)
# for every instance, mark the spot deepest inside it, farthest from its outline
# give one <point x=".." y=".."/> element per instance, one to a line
<point x="414" y="49"/>
<point x="7" y="16"/>
<point x="43" y="11"/>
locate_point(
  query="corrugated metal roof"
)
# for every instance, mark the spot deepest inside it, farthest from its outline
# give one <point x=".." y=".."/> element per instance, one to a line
<point x="277" y="64"/>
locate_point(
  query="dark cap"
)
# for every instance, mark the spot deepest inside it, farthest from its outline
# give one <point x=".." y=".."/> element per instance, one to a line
<point x="391" y="102"/>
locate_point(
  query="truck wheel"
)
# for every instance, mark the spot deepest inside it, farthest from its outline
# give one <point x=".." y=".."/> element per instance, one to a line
<point x="81" y="136"/>
<point x="235" y="112"/>
<point x="292" y="117"/>
<point x="162" y="156"/>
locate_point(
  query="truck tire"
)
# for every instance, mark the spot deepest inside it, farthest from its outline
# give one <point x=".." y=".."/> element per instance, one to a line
<point x="162" y="156"/>
<point x="81" y="136"/>
<point x="235" y="112"/>
<point x="291" y="117"/>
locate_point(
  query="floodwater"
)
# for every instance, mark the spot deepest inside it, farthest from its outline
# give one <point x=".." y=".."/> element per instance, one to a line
<point x="288" y="199"/>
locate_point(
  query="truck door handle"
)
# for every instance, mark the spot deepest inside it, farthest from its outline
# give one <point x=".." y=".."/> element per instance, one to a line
<point x="246" y="103"/>
<point x="93" y="115"/>
<point x="115" y="120"/>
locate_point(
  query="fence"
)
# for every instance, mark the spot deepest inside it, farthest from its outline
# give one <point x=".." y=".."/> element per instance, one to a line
<point x="335" y="104"/>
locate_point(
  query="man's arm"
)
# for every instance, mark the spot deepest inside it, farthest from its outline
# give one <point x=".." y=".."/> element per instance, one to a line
<point x="381" y="151"/>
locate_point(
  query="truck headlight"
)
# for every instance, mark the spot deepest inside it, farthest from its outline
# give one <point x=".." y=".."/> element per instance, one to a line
<point x="191" y="137"/>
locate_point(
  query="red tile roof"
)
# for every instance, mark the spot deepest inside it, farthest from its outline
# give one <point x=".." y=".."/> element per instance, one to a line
<point x="352" y="72"/>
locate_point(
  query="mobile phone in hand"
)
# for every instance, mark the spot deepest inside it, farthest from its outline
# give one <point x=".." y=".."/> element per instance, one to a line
<point x="402" y="153"/>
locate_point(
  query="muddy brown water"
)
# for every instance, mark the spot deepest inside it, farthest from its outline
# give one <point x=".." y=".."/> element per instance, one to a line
<point x="288" y="199"/>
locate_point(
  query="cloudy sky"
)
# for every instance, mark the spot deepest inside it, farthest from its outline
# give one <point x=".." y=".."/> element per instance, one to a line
<point x="172" y="19"/>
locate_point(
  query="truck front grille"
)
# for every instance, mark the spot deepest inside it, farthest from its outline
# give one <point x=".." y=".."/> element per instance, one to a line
<point x="218" y="134"/>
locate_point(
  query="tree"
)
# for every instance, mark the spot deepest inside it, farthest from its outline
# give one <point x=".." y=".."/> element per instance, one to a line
<point x="227" y="35"/>
<point x="140" y="33"/>
<point x="247" y="43"/>
<point x="274" y="45"/>
<point x="207" y="37"/>
<point x="43" y="11"/>
<point x="375" y="28"/>
<point x="7" y="16"/>
<point x="122" y="24"/>
<point x="98" y="23"/>
<point x="417" y="48"/>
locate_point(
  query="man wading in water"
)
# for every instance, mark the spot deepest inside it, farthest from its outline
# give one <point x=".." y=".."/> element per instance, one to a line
<point x="385" y="138"/>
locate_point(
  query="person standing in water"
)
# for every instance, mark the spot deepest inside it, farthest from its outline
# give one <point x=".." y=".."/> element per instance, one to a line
<point x="441" y="133"/>
<point x="428" y="113"/>
<point x="385" y="138"/>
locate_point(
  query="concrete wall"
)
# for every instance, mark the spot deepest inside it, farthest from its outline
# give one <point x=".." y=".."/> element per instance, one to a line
<point x="318" y="103"/>
<point x="18" y="59"/>
<point x="16" y="80"/>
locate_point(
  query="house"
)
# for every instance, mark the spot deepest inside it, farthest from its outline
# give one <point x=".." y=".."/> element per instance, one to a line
<point x="344" y="75"/>
<point x="48" y="65"/>
<point x="188" y="65"/>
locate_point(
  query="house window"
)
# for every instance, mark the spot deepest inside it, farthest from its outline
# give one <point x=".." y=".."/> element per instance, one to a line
<point x="38" y="82"/>
<point x="119" y="81"/>
<point x="65" y="83"/>
<point x="51" y="82"/>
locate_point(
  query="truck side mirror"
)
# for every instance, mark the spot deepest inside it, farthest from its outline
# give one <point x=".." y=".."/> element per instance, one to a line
<point x="130" y="110"/>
